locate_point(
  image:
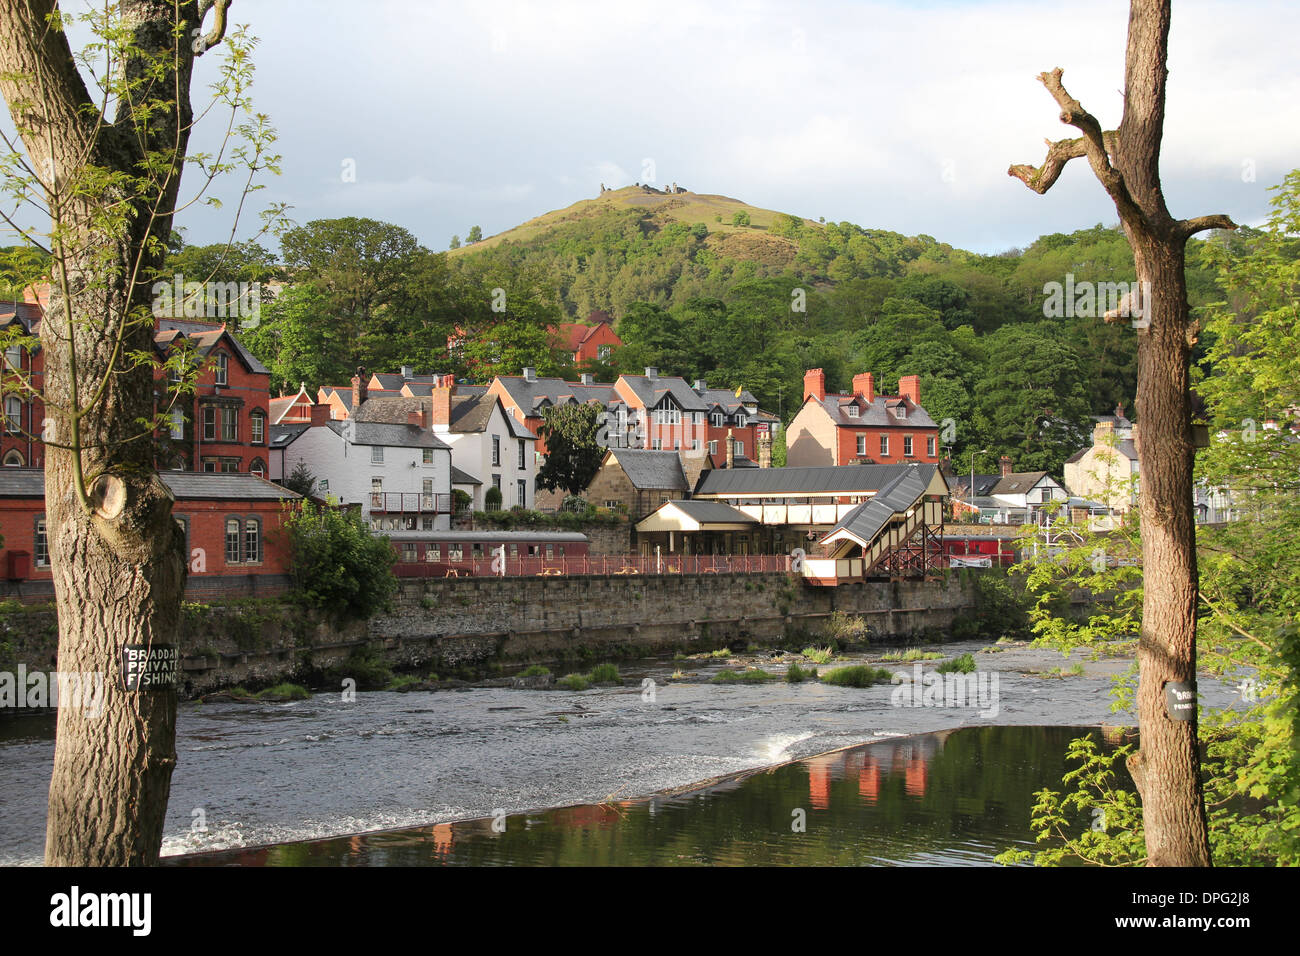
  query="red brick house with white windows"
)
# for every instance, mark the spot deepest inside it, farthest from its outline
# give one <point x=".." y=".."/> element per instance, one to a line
<point x="861" y="426"/>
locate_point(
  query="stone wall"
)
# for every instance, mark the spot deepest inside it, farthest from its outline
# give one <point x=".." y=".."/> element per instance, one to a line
<point x="454" y="624"/>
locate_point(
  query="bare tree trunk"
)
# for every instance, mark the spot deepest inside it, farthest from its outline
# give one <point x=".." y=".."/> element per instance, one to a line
<point x="116" y="554"/>
<point x="1166" y="768"/>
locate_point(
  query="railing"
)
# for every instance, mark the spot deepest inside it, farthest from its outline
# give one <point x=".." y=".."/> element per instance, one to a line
<point x="612" y="564"/>
<point x="399" y="502"/>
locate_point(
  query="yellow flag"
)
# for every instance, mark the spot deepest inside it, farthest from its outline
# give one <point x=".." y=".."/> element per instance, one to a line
<point x="739" y="389"/>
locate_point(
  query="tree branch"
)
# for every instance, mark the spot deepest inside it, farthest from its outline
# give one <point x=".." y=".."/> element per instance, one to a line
<point x="1190" y="227"/>
<point x="218" y="31"/>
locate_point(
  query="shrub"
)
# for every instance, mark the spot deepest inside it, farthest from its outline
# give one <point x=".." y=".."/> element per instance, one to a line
<point x="964" y="664"/>
<point x="536" y="670"/>
<point x="741" y="218"/>
<point x="338" y="565"/>
<point x="292" y="691"/>
<point x="847" y="627"/>
<point x="574" y="682"/>
<point x="492" y="499"/>
<point x="818" y="655"/>
<point x="461" y="500"/>
<point x="574" y="504"/>
<point x="403" y="683"/>
<point x="857" y="676"/>
<point x="370" y="672"/>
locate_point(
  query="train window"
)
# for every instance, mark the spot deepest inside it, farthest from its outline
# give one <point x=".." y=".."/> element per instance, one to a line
<point x="550" y="552"/>
<point x="514" y="550"/>
<point x="408" y="551"/>
<point x="561" y="550"/>
<point x="455" y="552"/>
<point x="478" y="550"/>
<point x="433" y="552"/>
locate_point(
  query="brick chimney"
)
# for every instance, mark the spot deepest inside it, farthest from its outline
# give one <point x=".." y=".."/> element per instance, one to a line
<point x="731" y="450"/>
<point x="865" y="385"/>
<point x="814" y="384"/>
<point x="359" y="388"/>
<point x="1005" y="463"/>
<point x="320" y="414"/>
<point x="1102" y="432"/>
<point x="765" y="450"/>
<point x="909" y="387"/>
<point x="443" y="389"/>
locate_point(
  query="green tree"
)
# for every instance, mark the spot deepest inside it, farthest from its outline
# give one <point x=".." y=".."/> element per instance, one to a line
<point x="455" y="243"/>
<point x="338" y="564"/>
<point x="741" y="218"/>
<point x="475" y="235"/>
<point x="573" y="447"/>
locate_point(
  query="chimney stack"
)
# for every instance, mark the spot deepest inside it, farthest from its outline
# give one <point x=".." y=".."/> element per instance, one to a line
<point x="701" y="385"/>
<point x="1005" y="463"/>
<point x="588" y="378"/>
<point x="1101" y="432"/>
<point x="530" y="374"/>
<point x="865" y="385"/>
<point x="320" y="414"/>
<point x="909" y="387"/>
<point x="731" y="451"/>
<point x="651" y="372"/>
<point x="408" y="372"/>
<point x="443" y="389"/>
<point x="360" y="392"/>
<point x="814" y="384"/>
<point x="765" y="450"/>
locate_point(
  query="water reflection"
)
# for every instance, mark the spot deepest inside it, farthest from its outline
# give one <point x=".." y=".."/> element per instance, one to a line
<point x="952" y="798"/>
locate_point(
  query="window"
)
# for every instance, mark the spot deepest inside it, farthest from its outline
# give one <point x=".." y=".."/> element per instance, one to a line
<point x="523" y="493"/>
<point x="716" y="419"/>
<point x="907" y="446"/>
<point x="740" y="448"/>
<point x="900" y="412"/>
<point x="929" y="446"/>
<point x="426" y="523"/>
<point x="257" y="427"/>
<point x="252" y="541"/>
<point x="603" y="352"/>
<point x="14" y="414"/>
<point x="496" y="482"/>
<point x="209" y="423"/>
<point x="14" y="458"/>
<point x="853" y="411"/>
<point x="695" y="444"/>
<point x="376" y="486"/>
<point x="220" y="424"/>
<point x="376" y="454"/>
<point x="655" y="444"/>
<point x="232" y="541"/>
<point x="523" y="452"/>
<point x="741" y="420"/>
<point x="433" y="552"/>
<point x="41" y="549"/>
<point x="230" y="424"/>
<point x="426" y="456"/>
<point x="884" y="444"/>
<point x="14" y="357"/>
<point x="219" y="368"/>
<point x="496" y="451"/>
<point x="258" y="467"/>
<point x="862" y="445"/>
<point x="426" y="487"/>
<point x="408" y="552"/>
<point x="229" y="466"/>
<point x="713" y="447"/>
<point x="178" y="424"/>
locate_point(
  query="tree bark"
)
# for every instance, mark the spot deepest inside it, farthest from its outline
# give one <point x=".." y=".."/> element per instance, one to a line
<point x="116" y="554"/>
<point x="1166" y="768"/>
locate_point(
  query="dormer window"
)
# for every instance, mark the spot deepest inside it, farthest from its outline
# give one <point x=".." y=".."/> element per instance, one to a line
<point x="716" y="419"/>
<point x="219" y="368"/>
<point x="741" y="420"/>
<point x="900" y="412"/>
<point x="853" y="411"/>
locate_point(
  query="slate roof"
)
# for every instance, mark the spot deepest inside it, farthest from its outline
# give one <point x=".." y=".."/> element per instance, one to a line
<point x="526" y="395"/>
<point x="651" y="391"/>
<point x="389" y="434"/>
<point x="284" y="435"/>
<point x="652" y="469"/>
<point x="865" y="521"/>
<point x="726" y="398"/>
<point x="879" y="414"/>
<point x="776" y="482"/>
<point x="30" y="483"/>
<point x="1018" y="482"/>
<point x="459" y="477"/>
<point x="205" y="337"/>
<point x="712" y="512"/>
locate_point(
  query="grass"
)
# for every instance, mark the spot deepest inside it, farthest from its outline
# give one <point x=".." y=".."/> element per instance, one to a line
<point x="678" y="674"/>
<point x="721" y="652"/>
<point x="819" y="655"/>
<point x="536" y="670"/>
<point x="292" y="691"/>
<point x="914" y="654"/>
<point x="405" y="682"/>
<point x="964" y="664"/>
<point x="605" y="674"/>
<point x="1074" y="670"/>
<point x="857" y="676"/>
<point x="751" y="676"/>
<point x="574" y="682"/>
<point x="797" y="675"/>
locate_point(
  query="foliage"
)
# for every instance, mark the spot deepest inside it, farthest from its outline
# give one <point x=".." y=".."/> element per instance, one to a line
<point x="535" y="670"/>
<point x="290" y="691"/>
<point x="795" y="674"/>
<point x="752" y="675"/>
<point x="363" y="665"/>
<point x="518" y="517"/>
<point x="573" y="448"/>
<point x="574" y="682"/>
<point x="847" y="628"/>
<point x="962" y="664"/>
<point x="300" y="480"/>
<point x="461" y="500"/>
<point x="492" y="499"/>
<point x="858" y="675"/>
<point x="604" y="674"/>
<point x="338" y="565"/>
<point x="819" y="655"/>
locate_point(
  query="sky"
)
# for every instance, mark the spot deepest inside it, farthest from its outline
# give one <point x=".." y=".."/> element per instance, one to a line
<point x="900" y="116"/>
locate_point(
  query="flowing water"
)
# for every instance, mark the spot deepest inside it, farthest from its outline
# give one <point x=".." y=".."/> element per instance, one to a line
<point x="259" y="774"/>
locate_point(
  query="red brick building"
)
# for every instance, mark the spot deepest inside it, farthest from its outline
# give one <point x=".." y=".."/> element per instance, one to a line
<point x="24" y="412"/>
<point x="595" y="341"/>
<point x="861" y="426"/>
<point x="233" y="530"/>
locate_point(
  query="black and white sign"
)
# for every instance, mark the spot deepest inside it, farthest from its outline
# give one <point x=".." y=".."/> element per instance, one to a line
<point x="146" y="667"/>
<point x="1180" y="700"/>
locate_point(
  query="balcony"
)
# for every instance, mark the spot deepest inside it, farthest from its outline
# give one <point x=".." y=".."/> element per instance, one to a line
<point x="399" y="502"/>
